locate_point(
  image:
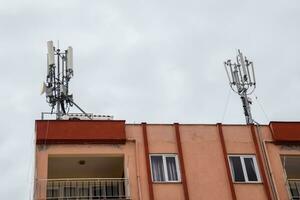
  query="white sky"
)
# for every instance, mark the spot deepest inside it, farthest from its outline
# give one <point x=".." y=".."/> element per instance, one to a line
<point x="153" y="61"/>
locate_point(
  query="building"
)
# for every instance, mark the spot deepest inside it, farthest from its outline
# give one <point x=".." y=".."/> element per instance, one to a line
<point x="110" y="159"/>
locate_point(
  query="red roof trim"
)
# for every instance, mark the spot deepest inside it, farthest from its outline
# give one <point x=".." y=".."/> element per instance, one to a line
<point x="285" y="131"/>
<point x="80" y="131"/>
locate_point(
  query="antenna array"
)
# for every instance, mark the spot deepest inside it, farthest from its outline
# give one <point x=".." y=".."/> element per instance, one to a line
<point x="242" y="81"/>
<point x="59" y="73"/>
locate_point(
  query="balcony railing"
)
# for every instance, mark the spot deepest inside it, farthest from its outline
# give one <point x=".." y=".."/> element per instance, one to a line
<point x="82" y="189"/>
<point x="294" y="185"/>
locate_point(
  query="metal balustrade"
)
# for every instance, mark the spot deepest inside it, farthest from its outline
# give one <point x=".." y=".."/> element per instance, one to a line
<point x="294" y="185"/>
<point x="82" y="189"/>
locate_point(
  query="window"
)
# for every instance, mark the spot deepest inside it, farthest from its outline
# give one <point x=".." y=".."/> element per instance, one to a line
<point x="291" y="165"/>
<point x="164" y="168"/>
<point x="244" y="168"/>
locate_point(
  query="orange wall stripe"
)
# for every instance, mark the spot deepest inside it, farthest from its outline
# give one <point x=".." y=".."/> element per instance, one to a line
<point x="150" y="186"/>
<point x="225" y="153"/>
<point x="183" y="175"/>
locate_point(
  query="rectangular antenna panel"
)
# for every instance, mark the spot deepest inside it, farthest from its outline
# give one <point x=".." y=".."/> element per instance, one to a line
<point x="70" y="58"/>
<point x="242" y="63"/>
<point x="253" y="74"/>
<point x="48" y="68"/>
<point x="50" y="53"/>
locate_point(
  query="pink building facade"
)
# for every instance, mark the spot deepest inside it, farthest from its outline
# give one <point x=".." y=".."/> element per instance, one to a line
<point x="109" y="159"/>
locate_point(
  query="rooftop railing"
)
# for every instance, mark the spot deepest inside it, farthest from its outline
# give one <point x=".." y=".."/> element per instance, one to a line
<point x="82" y="189"/>
<point x="86" y="116"/>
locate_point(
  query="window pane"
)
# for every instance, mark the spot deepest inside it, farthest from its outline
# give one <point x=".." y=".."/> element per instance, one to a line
<point x="237" y="169"/>
<point x="250" y="169"/>
<point x="294" y="189"/>
<point x="171" y="168"/>
<point x="157" y="168"/>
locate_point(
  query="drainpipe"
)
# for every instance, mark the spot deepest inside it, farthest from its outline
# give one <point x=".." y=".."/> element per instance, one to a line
<point x="137" y="166"/>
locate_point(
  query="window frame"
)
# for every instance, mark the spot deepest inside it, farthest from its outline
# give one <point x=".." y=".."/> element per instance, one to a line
<point x="242" y="159"/>
<point x="164" y="156"/>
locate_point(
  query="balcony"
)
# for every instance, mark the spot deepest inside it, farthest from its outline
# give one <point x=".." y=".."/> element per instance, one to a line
<point x="291" y="166"/>
<point x="83" y="177"/>
<point x="294" y="185"/>
<point x="82" y="189"/>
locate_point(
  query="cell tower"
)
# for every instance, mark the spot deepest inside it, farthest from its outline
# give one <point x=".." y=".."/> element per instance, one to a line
<point x="59" y="73"/>
<point x="242" y="81"/>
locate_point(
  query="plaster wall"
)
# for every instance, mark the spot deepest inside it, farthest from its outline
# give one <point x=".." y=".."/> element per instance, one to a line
<point x="274" y="150"/>
<point x="205" y="168"/>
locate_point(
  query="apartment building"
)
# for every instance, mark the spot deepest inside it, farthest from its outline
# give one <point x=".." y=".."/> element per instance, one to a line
<point x="112" y="159"/>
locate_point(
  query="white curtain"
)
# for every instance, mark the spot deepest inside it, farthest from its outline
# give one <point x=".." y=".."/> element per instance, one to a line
<point x="157" y="168"/>
<point x="171" y="167"/>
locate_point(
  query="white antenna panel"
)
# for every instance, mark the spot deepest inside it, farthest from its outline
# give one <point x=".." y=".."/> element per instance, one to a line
<point x="50" y="53"/>
<point x="44" y="87"/>
<point x="70" y="58"/>
<point x="242" y="63"/>
<point x="48" y="67"/>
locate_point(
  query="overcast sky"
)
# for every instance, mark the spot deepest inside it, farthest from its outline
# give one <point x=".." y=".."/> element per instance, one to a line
<point x="154" y="61"/>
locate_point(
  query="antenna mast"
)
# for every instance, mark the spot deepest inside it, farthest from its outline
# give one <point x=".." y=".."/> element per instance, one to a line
<point x="242" y="81"/>
<point x="59" y="73"/>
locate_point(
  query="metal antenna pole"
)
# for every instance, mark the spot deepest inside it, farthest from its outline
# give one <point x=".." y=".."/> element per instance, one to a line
<point x="59" y="73"/>
<point x="242" y="81"/>
<point x="246" y="106"/>
<point x="58" y="114"/>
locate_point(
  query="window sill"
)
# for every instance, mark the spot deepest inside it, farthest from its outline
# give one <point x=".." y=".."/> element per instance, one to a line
<point x="259" y="182"/>
<point x="166" y="182"/>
